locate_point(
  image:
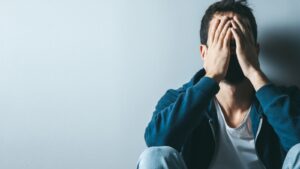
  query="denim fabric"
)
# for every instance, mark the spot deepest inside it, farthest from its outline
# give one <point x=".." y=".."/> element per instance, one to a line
<point x="185" y="120"/>
<point x="162" y="157"/>
<point x="292" y="159"/>
<point x="165" y="157"/>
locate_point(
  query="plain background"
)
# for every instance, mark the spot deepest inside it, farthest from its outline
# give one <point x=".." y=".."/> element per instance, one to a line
<point x="79" y="79"/>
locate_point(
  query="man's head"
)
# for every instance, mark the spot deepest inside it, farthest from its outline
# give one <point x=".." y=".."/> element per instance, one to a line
<point x="224" y="6"/>
<point x="228" y="8"/>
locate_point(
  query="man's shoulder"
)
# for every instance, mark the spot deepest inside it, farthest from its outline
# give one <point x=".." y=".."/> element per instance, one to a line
<point x="172" y="94"/>
<point x="195" y="78"/>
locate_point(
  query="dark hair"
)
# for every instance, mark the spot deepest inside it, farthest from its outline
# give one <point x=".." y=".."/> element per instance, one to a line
<point x="239" y="7"/>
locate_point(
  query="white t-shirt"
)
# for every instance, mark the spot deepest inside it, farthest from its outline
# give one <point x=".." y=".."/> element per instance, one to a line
<point x="235" y="148"/>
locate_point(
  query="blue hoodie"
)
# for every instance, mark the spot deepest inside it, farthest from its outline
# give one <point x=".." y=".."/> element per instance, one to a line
<point x="186" y="120"/>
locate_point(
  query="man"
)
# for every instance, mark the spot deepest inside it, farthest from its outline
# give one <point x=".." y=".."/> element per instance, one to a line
<point x="229" y="116"/>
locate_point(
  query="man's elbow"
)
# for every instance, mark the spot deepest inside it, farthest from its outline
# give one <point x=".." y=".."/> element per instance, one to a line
<point x="154" y="138"/>
<point x="158" y="139"/>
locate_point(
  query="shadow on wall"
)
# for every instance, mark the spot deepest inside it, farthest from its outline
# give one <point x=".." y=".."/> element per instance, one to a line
<point x="280" y="48"/>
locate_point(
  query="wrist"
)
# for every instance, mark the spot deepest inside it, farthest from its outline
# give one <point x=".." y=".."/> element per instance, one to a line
<point x="252" y="73"/>
<point x="212" y="76"/>
<point x="258" y="79"/>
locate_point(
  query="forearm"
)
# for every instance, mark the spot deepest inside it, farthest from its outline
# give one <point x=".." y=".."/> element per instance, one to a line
<point x="258" y="79"/>
<point x="282" y="111"/>
<point x="170" y="125"/>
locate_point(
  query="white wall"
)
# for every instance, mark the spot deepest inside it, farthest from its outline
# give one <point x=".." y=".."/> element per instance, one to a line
<point x="79" y="79"/>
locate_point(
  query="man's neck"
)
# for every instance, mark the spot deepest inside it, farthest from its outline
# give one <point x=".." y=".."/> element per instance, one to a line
<point x="235" y="100"/>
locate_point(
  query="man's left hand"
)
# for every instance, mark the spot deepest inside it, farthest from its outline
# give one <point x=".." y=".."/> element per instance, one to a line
<point x="247" y="52"/>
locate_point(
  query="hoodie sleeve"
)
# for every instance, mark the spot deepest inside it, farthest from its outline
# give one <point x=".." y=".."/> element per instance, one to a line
<point x="282" y="109"/>
<point x="178" y="112"/>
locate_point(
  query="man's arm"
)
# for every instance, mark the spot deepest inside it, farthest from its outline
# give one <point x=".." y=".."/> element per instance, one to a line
<point x="282" y="109"/>
<point x="281" y="106"/>
<point x="178" y="113"/>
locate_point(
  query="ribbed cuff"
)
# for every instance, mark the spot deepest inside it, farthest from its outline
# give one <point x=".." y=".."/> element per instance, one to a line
<point x="207" y="85"/>
<point x="267" y="93"/>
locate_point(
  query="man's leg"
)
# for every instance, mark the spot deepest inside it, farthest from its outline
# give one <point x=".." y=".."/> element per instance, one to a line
<point x="162" y="157"/>
<point x="292" y="159"/>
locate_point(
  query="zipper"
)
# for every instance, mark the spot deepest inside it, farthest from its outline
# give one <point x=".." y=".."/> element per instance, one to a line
<point x="259" y="128"/>
<point x="255" y="139"/>
<point x="215" y="140"/>
<point x="213" y="130"/>
<point x="210" y="121"/>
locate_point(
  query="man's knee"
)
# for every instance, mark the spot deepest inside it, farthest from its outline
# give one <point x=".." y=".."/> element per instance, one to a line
<point x="157" y="157"/>
<point x="156" y="153"/>
<point x="292" y="160"/>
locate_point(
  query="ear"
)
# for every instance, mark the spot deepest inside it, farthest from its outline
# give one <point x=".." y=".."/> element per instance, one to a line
<point x="203" y="49"/>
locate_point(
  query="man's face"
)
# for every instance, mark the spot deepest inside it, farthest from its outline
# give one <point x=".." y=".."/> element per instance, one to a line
<point x="234" y="73"/>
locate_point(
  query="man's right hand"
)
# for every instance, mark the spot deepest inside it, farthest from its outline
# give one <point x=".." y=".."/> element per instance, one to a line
<point x="217" y="54"/>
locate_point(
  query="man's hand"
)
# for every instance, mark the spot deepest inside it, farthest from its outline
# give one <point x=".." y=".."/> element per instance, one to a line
<point x="247" y="52"/>
<point x="217" y="55"/>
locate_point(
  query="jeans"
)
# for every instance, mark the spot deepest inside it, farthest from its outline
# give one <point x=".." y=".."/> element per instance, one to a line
<point x="164" y="157"/>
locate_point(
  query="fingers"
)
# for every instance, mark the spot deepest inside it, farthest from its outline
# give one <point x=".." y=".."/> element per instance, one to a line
<point x="211" y="33"/>
<point x="238" y="30"/>
<point x="220" y="28"/>
<point x="237" y="37"/>
<point x="224" y="31"/>
<point x="226" y="41"/>
<point x="244" y="27"/>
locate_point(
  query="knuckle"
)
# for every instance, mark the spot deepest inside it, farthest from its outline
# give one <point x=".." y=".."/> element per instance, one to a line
<point x="219" y="46"/>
